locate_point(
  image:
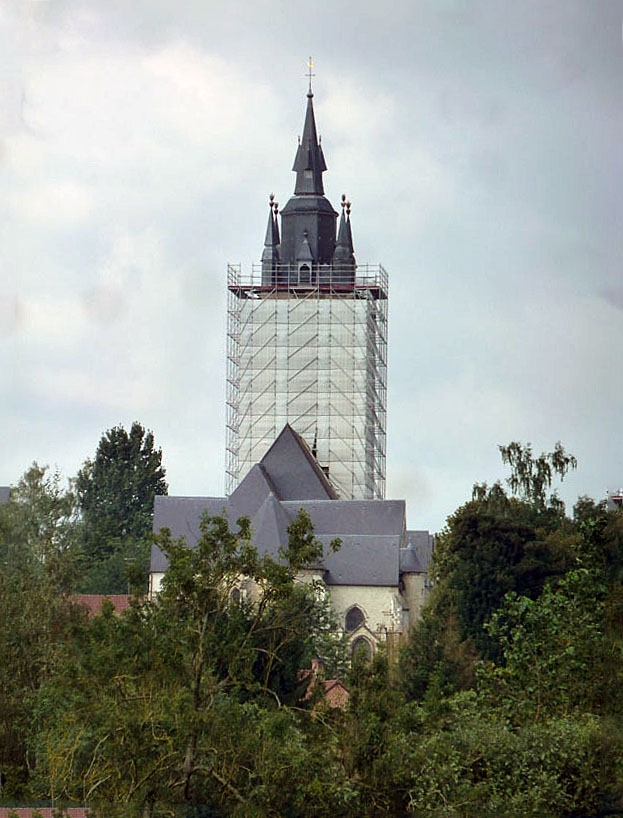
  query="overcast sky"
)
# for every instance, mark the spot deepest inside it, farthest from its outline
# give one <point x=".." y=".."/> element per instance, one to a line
<point x="481" y="146"/>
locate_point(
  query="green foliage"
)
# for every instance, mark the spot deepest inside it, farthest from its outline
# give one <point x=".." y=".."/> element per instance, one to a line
<point x="436" y="661"/>
<point x="123" y="571"/>
<point x="474" y="764"/>
<point x="552" y="651"/>
<point x="374" y="707"/>
<point x="506" y="701"/>
<point x="115" y="497"/>
<point x="195" y="698"/>
<point x="37" y="564"/>
<point x="531" y="476"/>
<point x="37" y="528"/>
<point x="116" y="489"/>
<point x="492" y="546"/>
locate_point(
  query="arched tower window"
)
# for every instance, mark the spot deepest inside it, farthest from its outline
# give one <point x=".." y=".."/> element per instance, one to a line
<point x="361" y="647"/>
<point x="354" y="618"/>
<point x="304" y="274"/>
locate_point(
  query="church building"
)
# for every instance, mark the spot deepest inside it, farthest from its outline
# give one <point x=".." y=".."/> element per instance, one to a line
<point x="306" y="411"/>
<point x="376" y="581"/>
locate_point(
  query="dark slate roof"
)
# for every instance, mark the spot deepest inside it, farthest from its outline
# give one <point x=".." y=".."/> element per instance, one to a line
<point x="5" y="492"/>
<point x="270" y="527"/>
<point x="362" y="560"/>
<point x="294" y="471"/>
<point x="371" y="535"/>
<point x="271" y="495"/>
<point x="409" y="562"/>
<point x="309" y="156"/>
<point x="415" y="558"/>
<point x="182" y="515"/>
<point x="342" y="517"/>
<point x="250" y="493"/>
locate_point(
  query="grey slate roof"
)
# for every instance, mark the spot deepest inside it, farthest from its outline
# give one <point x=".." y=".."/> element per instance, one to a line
<point x="415" y="558"/>
<point x="294" y="471"/>
<point x="5" y="492"/>
<point x="287" y="479"/>
<point x="270" y="527"/>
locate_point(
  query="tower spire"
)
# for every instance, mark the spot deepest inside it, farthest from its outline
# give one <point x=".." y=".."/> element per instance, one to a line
<point x="309" y="163"/>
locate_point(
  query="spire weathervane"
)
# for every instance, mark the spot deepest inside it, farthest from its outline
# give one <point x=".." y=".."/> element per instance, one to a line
<point x="310" y="68"/>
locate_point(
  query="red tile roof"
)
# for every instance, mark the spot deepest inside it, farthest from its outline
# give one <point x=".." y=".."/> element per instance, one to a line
<point x="336" y="693"/>
<point x="45" y="812"/>
<point x="93" y="602"/>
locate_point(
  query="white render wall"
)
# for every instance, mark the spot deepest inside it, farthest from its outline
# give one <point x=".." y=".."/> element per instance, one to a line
<point x="155" y="581"/>
<point x="415" y="592"/>
<point x="382" y="606"/>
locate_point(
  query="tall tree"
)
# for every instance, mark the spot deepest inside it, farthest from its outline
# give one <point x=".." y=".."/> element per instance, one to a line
<point x="116" y="489"/>
<point x="37" y="526"/>
<point x="115" y="496"/>
<point x="492" y="545"/>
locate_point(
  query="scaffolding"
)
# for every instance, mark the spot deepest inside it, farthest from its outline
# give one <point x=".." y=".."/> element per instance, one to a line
<point x="312" y="354"/>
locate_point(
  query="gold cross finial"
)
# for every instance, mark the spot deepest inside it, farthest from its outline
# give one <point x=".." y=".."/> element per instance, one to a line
<point x="310" y="68"/>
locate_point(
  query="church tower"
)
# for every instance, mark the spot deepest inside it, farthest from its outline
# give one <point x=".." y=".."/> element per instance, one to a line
<point x="307" y="339"/>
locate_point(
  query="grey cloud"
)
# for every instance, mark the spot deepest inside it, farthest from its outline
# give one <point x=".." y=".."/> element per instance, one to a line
<point x="480" y="144"/>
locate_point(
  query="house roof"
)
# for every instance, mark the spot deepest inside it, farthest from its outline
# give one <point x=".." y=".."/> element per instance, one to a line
<point x="336" y="693"/>
<point x="271" y="495"/>
<point x="45" y="812"/>
<point x="93" y="602"/>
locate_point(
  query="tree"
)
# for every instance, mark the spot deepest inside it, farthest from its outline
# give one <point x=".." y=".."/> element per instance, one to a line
<point x="490" y="546"/>
<point x="552" y="651"/>
<point x="473" y="763"/>
<point x="531" y="476"/>
<point x="115" y="496"/>
<point x="195" y="698"/>
<point x="37" y="567"/>
<point x="37" y="527"/>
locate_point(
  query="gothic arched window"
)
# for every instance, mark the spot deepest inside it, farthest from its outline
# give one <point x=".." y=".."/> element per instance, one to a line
<point x="354" y="618"/>
<point x="361" y="647"/>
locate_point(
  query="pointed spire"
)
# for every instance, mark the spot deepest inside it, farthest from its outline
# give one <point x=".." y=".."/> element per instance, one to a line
<point x="270" y="255"/>
<point x="309" y="163"/>
<point x="344" y="258"/>
<point x="350" y="232"/>
<point x="308" y="221"/>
